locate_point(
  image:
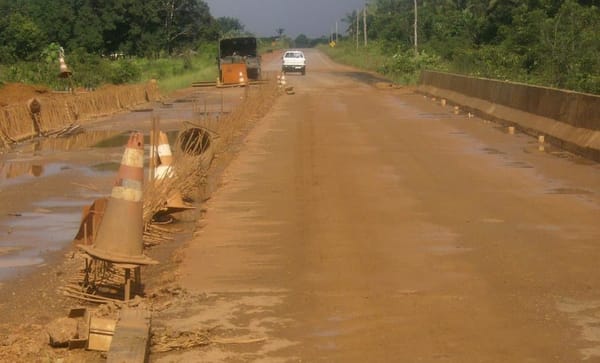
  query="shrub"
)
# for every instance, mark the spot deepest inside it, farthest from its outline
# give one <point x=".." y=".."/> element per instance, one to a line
<point x="124" y="71"/>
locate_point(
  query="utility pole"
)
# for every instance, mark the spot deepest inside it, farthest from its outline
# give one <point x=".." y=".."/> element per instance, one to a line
<point x="365" y="24"/>
<point x="336" y="31"/>
<point x="416" y="43"/>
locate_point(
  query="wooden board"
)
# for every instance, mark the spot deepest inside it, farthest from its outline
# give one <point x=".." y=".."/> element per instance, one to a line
<point x="131" y="341"/>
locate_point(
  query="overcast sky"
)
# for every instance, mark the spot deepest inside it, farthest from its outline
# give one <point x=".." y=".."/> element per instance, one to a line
<point x="312" y="18"/>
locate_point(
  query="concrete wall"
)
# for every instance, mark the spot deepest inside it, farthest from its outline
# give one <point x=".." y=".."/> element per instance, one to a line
<point x="569" y="119"/>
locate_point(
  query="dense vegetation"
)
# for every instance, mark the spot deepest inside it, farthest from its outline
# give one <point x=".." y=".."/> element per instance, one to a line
<point x="141" y="28"/>
<point x="113" y="41"/>
<point x="548" y="42"/>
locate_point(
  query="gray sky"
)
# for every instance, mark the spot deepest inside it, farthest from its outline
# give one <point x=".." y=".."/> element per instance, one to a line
<point x="310" y="17"/>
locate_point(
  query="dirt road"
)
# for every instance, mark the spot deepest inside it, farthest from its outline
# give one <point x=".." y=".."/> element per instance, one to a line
<point x="361" y="224"/>
<point x="356" y="223"/>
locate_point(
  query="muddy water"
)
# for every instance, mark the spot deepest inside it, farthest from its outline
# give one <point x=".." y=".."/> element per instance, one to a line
<point x="45" y="183"/>
<point x="43" y="191"/>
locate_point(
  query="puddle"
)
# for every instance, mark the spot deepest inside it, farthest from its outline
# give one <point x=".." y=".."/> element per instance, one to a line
<point x="491" y="151"/>
<point x="120" y="140"/>
<point x="9" y="250"/>
<point x="586" y="315"/>
<point x="551" y="150"/>
<point x="519" y="164"/>
<point x="569" y="191"/>
<point x="364" y="77"/>
<point x="14" y="172"/>
<point x="23" y="261"/>
<point x="109" y="166"/>
<point x="26" y="236"/>
<point x="79" y="141"/>
<point x="434" y="115"/>
<point x="114" y="141"/>
<point x="504" y="129"/>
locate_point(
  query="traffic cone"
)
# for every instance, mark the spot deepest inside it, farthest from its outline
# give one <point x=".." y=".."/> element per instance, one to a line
<point x="165" y="157"/>
<point x="175" y="202"/>
<point x="64" y="70"/>
<point x="120" y="235"/>
<point x="242" y="80"/>
<point x="283" y="82"/>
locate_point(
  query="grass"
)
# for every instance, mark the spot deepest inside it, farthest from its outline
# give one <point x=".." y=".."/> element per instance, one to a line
<point x="180" y="72"/>
<point x="168" y="84"/>
<point x="369" y="58"/>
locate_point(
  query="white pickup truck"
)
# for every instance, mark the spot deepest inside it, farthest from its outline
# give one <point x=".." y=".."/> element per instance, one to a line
<point x="293" y="61"/>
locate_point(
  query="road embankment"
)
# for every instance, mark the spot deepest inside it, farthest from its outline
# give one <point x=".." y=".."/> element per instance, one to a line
<point x="569" y="120"/>
<point x="51" y="111"/>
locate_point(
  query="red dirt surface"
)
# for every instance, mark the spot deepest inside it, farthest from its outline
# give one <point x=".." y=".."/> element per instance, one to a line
<point x="12" y="93"/>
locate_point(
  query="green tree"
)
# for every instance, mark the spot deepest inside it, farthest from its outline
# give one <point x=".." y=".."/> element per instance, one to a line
<point x="302" y="41"/>
<point x="20" y="37"/>
<point x="571" y="47"/>
<point x="187" y="22"/>
<point x="228" y="25"/>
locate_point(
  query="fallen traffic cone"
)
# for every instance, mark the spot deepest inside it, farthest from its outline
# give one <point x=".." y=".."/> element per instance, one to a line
<point x="164" y="171"/>
<point x="90" y="220"/>
<point x="119" y="238"/>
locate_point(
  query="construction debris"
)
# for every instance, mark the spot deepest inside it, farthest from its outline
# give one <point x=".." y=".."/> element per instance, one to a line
<point x="166" y="341"/>
<point x="68" y="130"/>
<point x="131" y="338"/>
<point x="61" y="331"/>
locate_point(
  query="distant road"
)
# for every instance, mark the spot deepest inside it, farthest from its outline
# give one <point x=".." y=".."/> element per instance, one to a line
<point x="361" y="224"/>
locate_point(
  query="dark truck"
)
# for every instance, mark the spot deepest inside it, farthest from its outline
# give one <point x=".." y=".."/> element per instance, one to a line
<point x="242" y="50"/>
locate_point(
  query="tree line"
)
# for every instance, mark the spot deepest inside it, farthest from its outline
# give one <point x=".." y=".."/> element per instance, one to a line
<point x="107" y="41"/>
<point x="132" y="27"/>
<point x="550" y="42"/>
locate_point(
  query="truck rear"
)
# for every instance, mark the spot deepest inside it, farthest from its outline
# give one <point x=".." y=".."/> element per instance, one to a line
<point x="238" y="55"/>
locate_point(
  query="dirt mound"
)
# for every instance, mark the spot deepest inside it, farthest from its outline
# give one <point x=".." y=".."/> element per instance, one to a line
<point x="12" y="93"/>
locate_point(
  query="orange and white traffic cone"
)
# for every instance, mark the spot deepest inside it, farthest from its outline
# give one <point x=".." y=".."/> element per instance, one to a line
<point x="120" y="235"/>
<point x="242" y="80"/>
<point x="164" y="171"/>
<point x="64" y="70"/>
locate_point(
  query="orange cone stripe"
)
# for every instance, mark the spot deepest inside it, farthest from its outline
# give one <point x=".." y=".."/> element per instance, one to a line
<point x="133" y="158"/>
<point x="132" y="173"/>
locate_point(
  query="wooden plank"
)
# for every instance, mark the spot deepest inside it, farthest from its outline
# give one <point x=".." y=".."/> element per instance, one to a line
<point x="131" y="342"/>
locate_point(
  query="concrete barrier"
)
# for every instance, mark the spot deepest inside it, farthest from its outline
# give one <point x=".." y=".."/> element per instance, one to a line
<point x="570" y="120"/>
